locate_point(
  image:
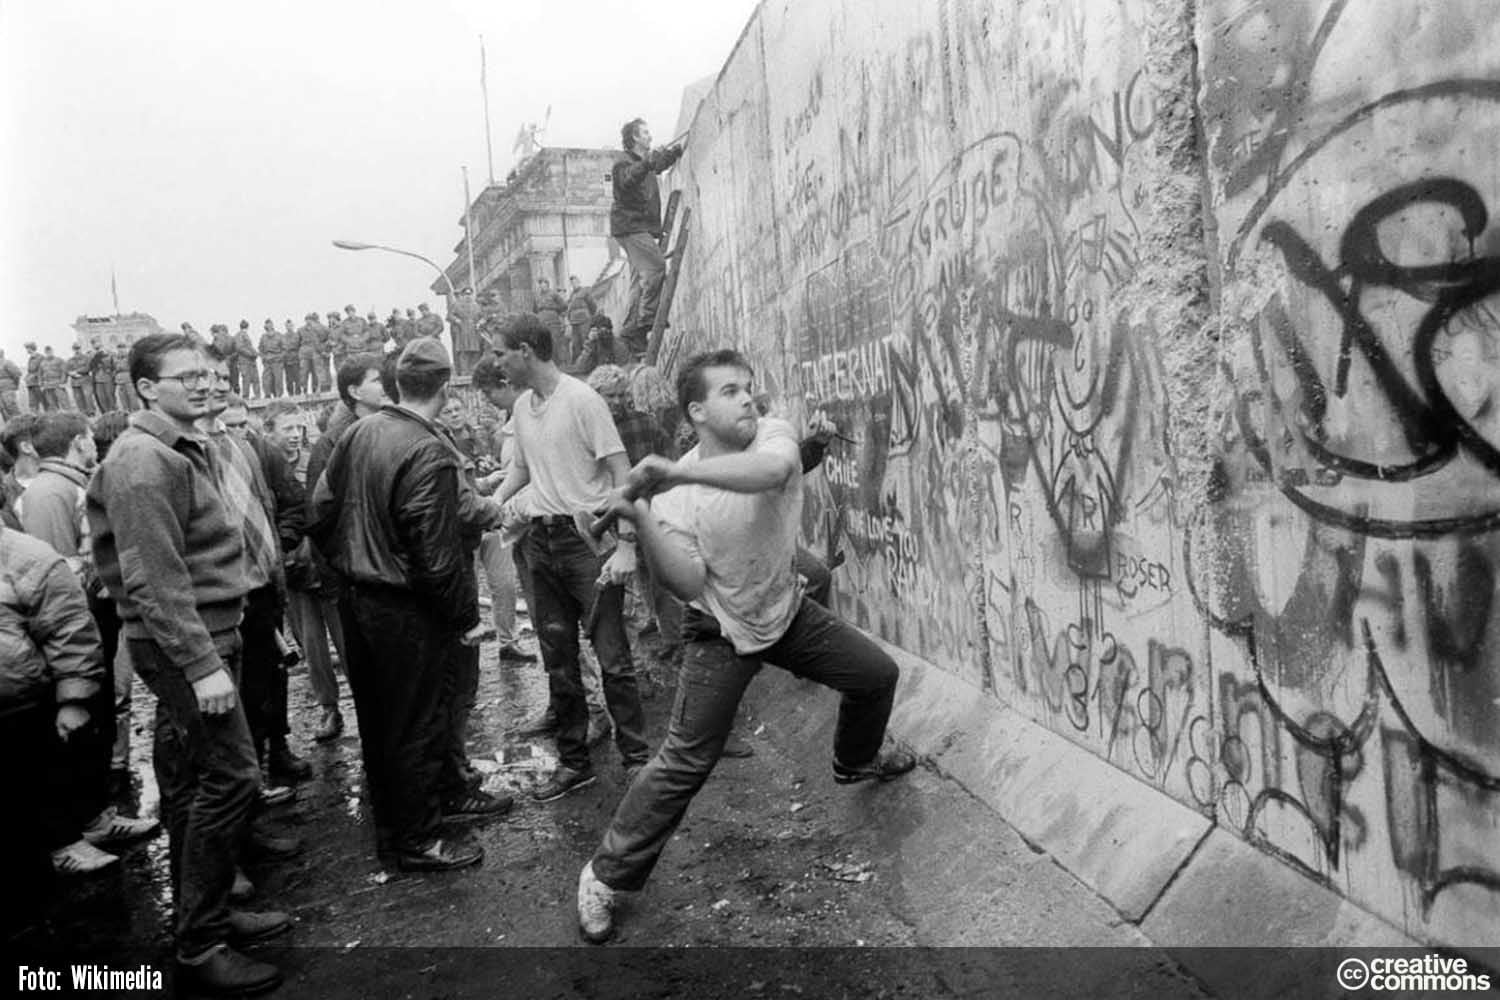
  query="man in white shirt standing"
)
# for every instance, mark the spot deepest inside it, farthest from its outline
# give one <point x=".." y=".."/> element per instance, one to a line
<point x="721" y="534"/>
<point x="568" y="450"/>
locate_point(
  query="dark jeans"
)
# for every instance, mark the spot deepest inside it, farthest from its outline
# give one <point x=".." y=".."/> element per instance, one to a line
<point x="463" y="688"/>
<point x="76" y="784"/>
<point x="263" y="686"/>
<point x="25" y="869"/>
<point x="816" y="646"/>
<point x="397" y="666"/>
<point x="563" y="594"/>
<point x="206" y="769"/>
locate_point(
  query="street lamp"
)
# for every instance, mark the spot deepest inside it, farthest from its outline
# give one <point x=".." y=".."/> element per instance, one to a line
<point x="352" y="245"/>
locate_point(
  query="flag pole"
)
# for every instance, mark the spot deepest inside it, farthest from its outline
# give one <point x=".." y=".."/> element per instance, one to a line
<point x="484" y="86"/>
<point x="114" y="289"/>
<point x="469" y="232"/>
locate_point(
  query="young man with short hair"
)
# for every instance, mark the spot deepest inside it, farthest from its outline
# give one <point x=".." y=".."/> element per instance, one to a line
<point x="635" y="221"/>
<point x="386" y="513"/>
<point x="568" y="451"/>
<point x="78" y="815"/>
<point x="170" y="554"/>
<point x="719" y="527"/>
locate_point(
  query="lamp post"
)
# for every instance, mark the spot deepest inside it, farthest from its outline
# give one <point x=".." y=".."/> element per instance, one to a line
<point x="352" y="245"/>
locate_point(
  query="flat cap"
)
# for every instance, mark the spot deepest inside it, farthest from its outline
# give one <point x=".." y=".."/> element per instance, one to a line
<point x="424" y="356"/>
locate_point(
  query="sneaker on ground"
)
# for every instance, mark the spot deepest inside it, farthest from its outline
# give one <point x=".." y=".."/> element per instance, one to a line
<point x="439" y="856"/>
<point x="80" y="858"/>
<point x="478" y="804"/>
<point x="885" y="766"/>
<point x="596" y="907"/>
<point x="109" y="827"/>
<point x="223" y="972"/>
<point x="563" y="781"/>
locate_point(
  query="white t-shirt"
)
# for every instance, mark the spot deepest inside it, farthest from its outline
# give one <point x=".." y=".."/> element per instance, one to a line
<point x="748" y="544"/>
<point x="562" y="442"/>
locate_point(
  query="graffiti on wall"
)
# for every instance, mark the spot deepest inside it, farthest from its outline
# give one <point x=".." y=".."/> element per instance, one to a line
<point x="1354" y="536"/>
<point x="954" y="227"/>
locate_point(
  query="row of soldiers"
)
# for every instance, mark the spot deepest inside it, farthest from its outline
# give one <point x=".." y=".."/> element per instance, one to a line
<point x="299" y="360"/>
<point x="94" y="382"/>
<point x="291" y="361"/>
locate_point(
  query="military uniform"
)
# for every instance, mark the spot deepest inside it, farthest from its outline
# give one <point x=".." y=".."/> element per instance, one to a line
<point x="10" y="381"/>
<point x="350" y="339"/>
<point x="102" y="367"/>
<point x="80" y="383"/>
<point x="429" y="324"/>
<point x="34" y="381"/>
<point x="309" y="373"/>
<point x="291" y="360"/>
<point x="463" y="324"/>
<point x="129" y="401"/>
<point x="54" y="383"/>
<point x="375" y="336"/>
<point x="271" y="362"/>
<point x="245" y="353"/>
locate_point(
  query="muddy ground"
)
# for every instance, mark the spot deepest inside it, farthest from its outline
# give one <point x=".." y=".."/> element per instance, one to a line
<point x="778" y="884"/>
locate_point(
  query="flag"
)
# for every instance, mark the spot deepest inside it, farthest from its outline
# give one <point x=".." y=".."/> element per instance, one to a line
<point x="483" y="82"/>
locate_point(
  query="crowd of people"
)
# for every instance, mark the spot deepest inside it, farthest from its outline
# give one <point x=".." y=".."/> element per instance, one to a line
<point x="196" y="537"/>
<point x="303" y="360"/>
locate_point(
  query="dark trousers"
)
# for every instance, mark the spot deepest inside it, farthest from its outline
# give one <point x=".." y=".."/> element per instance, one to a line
<point x="648" y="268"/>
<point x="293" y="376"/>
<point x="76" y="784"/>
<point x="816" y="646"/>
<point x="463" y="689"/>
<point x="104" y="396"/>
<point x="398" y="659"/>
<point x="563" y="595"/>
<point x="25" y="868"/>
<point x="206" y="769"/>
<point x="263" y="685"/>
<point x="83" y="398"/>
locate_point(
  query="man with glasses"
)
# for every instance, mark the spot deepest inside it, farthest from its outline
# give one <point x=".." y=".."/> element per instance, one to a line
<point x="171" y="555"/>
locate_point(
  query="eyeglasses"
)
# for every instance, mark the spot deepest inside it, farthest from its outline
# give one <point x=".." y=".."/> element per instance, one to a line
<point x="201" y="379"/>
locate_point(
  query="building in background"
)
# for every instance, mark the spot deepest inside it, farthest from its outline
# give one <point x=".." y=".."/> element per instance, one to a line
<point x="549" y="219"/>
<point x="109" y="332"/>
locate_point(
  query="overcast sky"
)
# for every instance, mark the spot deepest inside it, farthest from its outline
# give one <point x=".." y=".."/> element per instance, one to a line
<point x="209" y="152"/>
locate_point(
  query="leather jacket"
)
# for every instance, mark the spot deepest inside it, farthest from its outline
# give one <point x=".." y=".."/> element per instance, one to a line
<point x="386" y="514"/>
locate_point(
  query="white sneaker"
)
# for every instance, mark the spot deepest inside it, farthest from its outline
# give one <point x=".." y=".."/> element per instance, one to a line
<point x="596" y="907"/>
<point x="80" y="858"/>
<point x="109" y="827"/>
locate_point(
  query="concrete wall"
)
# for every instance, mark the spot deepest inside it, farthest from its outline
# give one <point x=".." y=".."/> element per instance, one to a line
<point x="1109" y="469"/>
